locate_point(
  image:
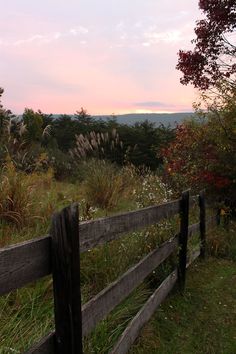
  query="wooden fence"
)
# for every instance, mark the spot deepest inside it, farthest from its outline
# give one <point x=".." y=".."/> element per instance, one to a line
<point x="59" y="254"/>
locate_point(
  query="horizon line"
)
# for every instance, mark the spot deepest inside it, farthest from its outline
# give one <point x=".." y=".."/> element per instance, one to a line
<point x="113" y="114"/>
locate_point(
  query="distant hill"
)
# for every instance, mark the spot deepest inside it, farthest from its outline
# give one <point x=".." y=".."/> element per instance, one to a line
<point x="158" y="118"/>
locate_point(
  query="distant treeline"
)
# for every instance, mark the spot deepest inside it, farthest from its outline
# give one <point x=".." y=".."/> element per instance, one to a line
<point x="70" y="139"/>
<point x="139" y="143"/>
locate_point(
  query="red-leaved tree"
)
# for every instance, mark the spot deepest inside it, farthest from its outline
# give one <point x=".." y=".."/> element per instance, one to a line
<point x="203" y="154"/>
<point x="213" y="59"/>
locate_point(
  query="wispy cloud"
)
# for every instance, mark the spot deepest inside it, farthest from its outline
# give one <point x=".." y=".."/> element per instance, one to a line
<point x="38" y="38"/>
<point x="107" y="58"/>
<point x="75" y="31"/>
<point x="127" y="35"/>
<point x="168" y="36"/>
<point x="150" y="104"/>
<point x="147" y="35"/>
<point x="120" y="26"/>
<point x="154" y="36"/>
<point x="48" y="38"/>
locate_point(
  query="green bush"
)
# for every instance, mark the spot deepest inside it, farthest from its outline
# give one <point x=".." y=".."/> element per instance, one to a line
<point x="104" y="183"/>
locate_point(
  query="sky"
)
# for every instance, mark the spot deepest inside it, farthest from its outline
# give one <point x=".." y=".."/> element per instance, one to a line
<point x="108" y="56"/>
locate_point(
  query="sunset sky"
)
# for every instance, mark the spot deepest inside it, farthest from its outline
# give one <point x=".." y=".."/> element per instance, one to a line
<point x="108" y="56"/>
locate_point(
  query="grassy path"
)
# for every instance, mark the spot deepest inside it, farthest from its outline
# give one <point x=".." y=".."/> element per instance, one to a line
<point x="203" y="321"/>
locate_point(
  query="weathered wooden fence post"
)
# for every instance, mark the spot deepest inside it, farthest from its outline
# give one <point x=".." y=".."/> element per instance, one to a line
<point x="202" y="206"/>
<point x="218" y="216"/>
<point x="66" y="281"/>
<point x="183" y="238"/>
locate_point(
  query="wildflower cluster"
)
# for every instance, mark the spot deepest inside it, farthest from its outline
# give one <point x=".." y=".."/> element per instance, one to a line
<point x="152" y="191"/>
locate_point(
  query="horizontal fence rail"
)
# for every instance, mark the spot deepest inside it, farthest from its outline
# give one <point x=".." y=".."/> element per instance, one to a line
<point x="45" y="346"/>
<point x="28" y="261"/>
<point x="101" y="305"/>
<point x="23" y="263"/>
<point x="100" y="231"/>
<point x="31" y="260"/>
<point x="132" y="330"/>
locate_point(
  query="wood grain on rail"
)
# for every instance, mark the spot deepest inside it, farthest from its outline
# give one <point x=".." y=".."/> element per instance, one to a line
<point x="23" y="263"/>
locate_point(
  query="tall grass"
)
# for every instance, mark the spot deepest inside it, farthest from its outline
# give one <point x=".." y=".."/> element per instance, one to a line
<point x="26" y="315"/>
<point x="15" y="196"/>
<point x="97" y="145"/>
<point x="109" y="330"/>
<point x="104" y="184"/>
<point x="18" y="193"/>
<point x="222" y="241"/>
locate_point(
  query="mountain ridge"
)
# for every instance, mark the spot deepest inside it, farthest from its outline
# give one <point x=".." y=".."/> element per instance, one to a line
<point x="157" y="118"/>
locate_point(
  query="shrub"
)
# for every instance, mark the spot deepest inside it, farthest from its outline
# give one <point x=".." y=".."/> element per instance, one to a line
<point x="14" y="196"/>
<point x="62" y="163"/>
<point x="203" y="154"/>
<point x="104" y="184"/>
<point x="17" y="193"/>
<point x="221" y="242"/>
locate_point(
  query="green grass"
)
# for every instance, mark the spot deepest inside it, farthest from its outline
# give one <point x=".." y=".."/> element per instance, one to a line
<point x="27" y="314"/>
<point x="109" y="330"/>
<point x="203" y="321"/>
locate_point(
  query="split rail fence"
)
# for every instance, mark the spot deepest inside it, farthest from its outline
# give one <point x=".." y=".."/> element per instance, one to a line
<point x="59" y="254"/>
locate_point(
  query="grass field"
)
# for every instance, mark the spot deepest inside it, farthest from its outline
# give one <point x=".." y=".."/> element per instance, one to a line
<point x="203" y="321"/>
<point x="27" y="314"/>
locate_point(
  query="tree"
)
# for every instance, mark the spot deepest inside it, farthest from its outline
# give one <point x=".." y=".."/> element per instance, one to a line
<point x="143" y="143"/>
<point x="64" y="131"/>
<point x="5" y="117"/>
<point x="83" y="117"/>
<point x="203" y="154"/>
<point x="34" y="126"/>
<point x="213" y="59"/>
<point x="9" y="130"/>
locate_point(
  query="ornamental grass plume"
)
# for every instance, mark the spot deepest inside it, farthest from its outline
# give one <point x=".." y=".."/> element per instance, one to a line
<point x="96" y="144"/>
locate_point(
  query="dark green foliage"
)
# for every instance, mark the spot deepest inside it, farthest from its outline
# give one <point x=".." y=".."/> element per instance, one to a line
<point x="26" y="138"/>
<point x="5" y="116"/>
<point x="4" y="113"/>
<point x="34" y="123"/>
<point x="64" y="130"/>
<point x="141" y="143"/>
<point x="62" y="163"/>
<point x="84" y="118"/>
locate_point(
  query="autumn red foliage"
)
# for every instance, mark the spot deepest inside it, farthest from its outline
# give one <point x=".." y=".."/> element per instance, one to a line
<point x="203" y="155"/>
<point x="214" y="57"/>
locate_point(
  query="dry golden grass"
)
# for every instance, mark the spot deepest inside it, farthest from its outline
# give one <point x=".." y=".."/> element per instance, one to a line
<point x="17" y="194"/>
<point x="105" y="185"/>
